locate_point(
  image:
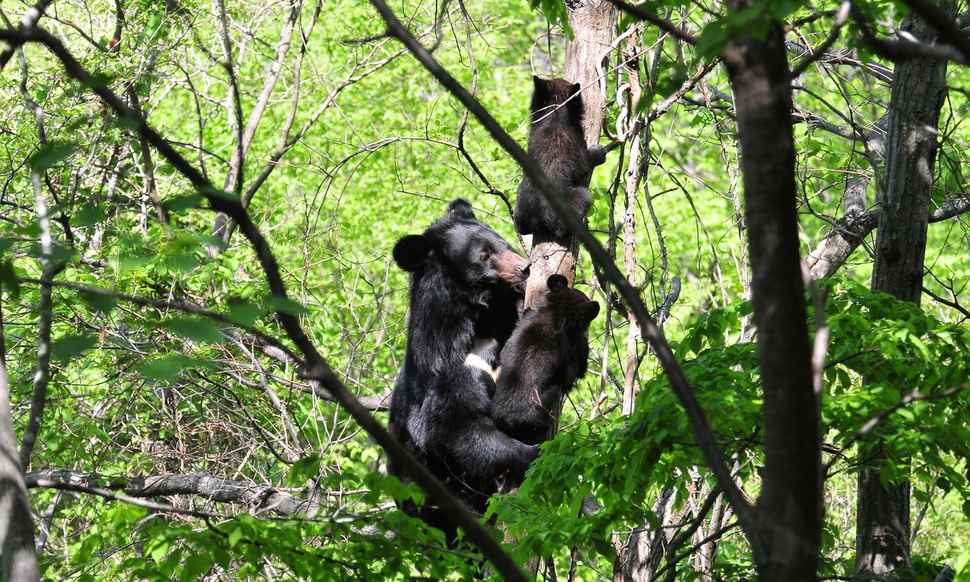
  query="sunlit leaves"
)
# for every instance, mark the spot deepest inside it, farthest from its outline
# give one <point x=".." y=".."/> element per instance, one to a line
<point x="68" y="347"/>
<point x="50" y="155"/>
<point x="168" y="367"/>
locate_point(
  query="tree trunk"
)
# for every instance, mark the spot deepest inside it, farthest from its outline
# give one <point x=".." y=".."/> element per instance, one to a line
<point x="592" y="22"/>
<point x="918" y="91"/>
<point x="789" y="508"/>
<point x="18" y="561"/>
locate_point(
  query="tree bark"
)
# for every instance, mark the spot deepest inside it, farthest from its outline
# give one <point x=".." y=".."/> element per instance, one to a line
<point x="787" y="539"/>
<point x="259" y="498"/>
<point x="592" y="22"/>
<point x="18" y="561"/>
<point x="918" y="91"/>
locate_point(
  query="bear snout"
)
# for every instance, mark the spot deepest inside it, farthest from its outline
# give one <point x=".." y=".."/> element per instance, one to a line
<point x="511" y="268"/>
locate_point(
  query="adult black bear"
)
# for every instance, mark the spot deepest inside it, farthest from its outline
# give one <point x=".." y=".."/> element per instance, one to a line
<point x="557" y="143"/>
<point x="542" y="360"/>
<point x="462" y="278"/>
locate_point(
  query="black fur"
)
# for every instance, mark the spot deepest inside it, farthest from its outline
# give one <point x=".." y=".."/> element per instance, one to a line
<point x="557" y="143"/>
<point x="463" y="280"/>
<point x="547" y="353"/>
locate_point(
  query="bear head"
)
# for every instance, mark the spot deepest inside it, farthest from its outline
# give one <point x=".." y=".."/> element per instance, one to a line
<point x="557" y="99"/>
<point x="469" y="250"/>
<point x="573" y="311"/>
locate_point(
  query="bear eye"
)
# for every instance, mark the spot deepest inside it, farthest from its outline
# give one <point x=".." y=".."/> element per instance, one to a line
<point x="484" y="255"/>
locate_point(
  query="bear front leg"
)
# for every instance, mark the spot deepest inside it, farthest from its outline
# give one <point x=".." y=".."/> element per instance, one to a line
<point x="485" y="452"/>
<point x="581" y="200"/>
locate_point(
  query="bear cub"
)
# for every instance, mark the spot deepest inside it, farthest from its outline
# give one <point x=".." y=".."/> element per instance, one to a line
<point x="547" y="353"/>
<point x="557" y="143"/>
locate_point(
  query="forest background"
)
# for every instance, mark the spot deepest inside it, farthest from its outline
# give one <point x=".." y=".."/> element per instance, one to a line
<point x="163" y="417"/>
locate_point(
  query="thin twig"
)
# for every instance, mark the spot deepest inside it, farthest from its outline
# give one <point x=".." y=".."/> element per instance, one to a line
<point x="819" y="52"/>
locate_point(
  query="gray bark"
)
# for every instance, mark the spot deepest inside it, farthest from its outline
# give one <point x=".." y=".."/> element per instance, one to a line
<point x="259" y="498"/>
<point x="593" y="23"/>
<point x="785" y="543"/>
<point x="18" y="561"/>
<point x="918" y="92"/>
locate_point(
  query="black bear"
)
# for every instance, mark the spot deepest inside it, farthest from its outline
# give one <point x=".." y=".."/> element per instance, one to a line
<point x="463" y="298"/>
<point x="546" y="354"/>
<point x="557" y="143"/>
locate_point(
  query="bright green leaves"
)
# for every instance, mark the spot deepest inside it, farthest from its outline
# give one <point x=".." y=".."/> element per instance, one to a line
<point x="285" y="305"/>
<point x="68" y="347"/>
<point x="168" y="367"/>
<point x="555" y="13"/>
<point x="197" y="329"/>
<point x="98" y="302"/>
<point x="184" y="202"/>
<point x="50" y="155"/>
<point x="9" y="280"/>
<point x="303" y="470"/>
<point x="88" y="215"/>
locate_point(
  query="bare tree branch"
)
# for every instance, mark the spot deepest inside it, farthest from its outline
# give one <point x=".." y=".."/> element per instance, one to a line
<point x="944" y="24"/>
<point x="50" y="268"/>
<point x="18" y="558"/>
<point x="840" y="20"/>
<point x="258" y="498"/>
<point x="903" y="49"/>
<point x="849" y="232"/>
<point x="29" y="20"/>
<point x="256" y="115"/>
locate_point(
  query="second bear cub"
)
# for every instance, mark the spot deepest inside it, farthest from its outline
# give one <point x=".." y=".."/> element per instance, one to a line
<point x="546" y="354"/>
<point x="557" y="144"/>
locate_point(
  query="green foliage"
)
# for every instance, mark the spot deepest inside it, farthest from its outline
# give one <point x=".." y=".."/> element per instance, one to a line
<point x="890" y="343"/>
<point x="140" y="390"/>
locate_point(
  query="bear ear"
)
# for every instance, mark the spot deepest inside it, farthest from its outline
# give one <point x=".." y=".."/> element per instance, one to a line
<point x="556" y="282"/>
<point x="411" y="251"/>
<point x="540" y="93"/>
<point x="461" y="208"/>
<point x="574" y="89"/>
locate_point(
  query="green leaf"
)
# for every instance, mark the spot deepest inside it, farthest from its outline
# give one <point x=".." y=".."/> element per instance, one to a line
<point x="99" y="303"/>
<point x="160" y="551"/>
<point x="9" y="279"/>
<point x="303" y="470"/>
<point x="235" y="536"/>
<point x="184" y="202"/>
<point x="168" y="367"/>
<point x="88" y="215"/>
<point x="285" y="305"/>
<point x="51" y="155"/>
<point x="244" y="312"/>
<point x="194" y="328"/>
<point x="65" y="348"/>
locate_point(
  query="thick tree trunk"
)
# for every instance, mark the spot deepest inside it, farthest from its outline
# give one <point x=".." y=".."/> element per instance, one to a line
<point x="18" y="561"/>
<point x="789" y="508"/>
<point x="592" y="22"/>
<point x="918" y="91"/>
